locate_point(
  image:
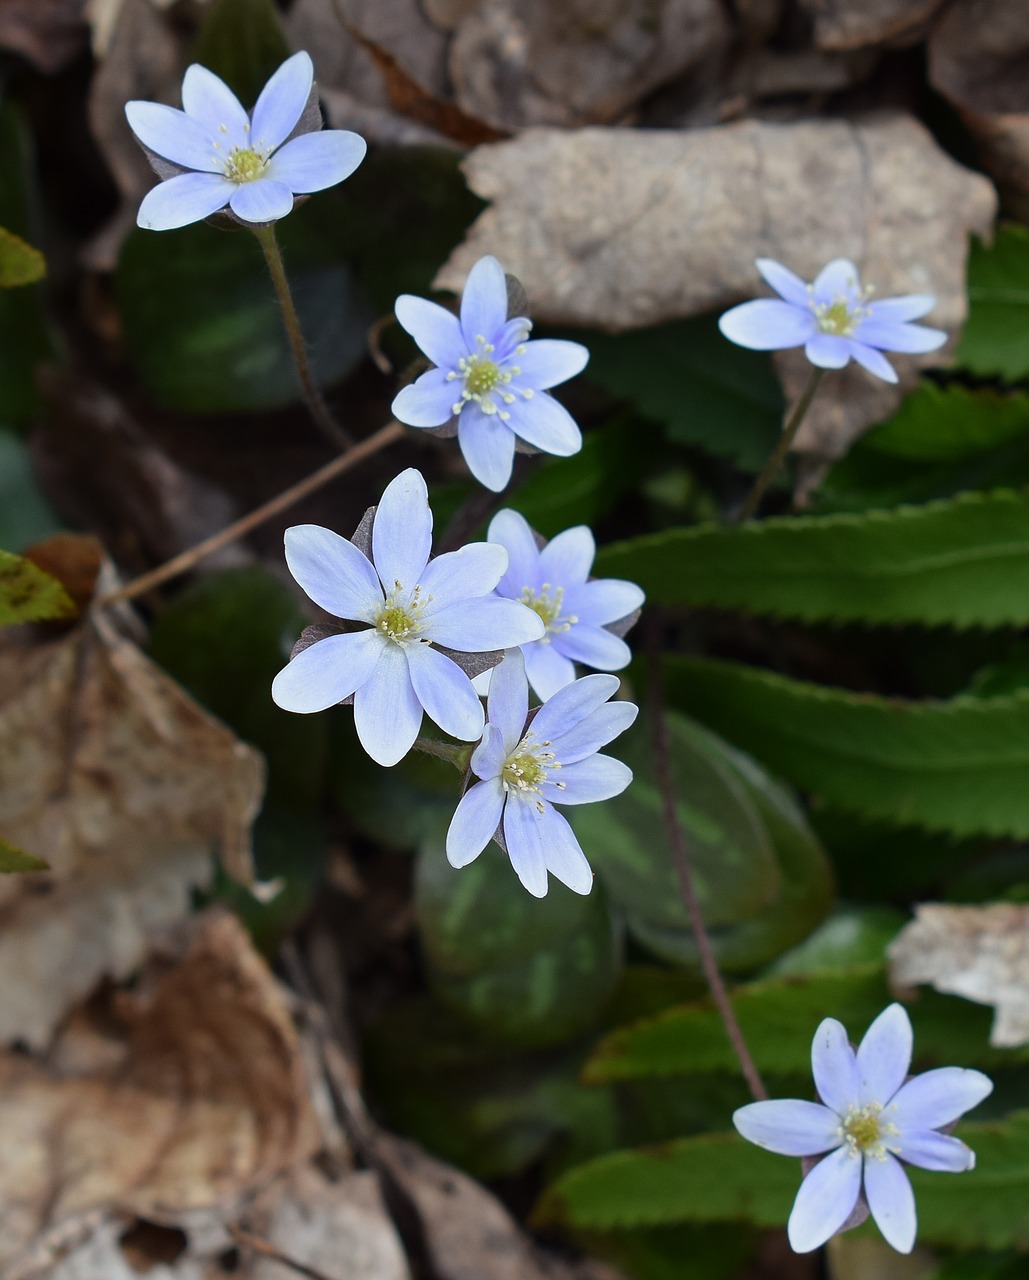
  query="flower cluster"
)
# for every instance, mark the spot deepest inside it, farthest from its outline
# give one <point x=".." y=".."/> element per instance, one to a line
<point x="871" y="1121"/>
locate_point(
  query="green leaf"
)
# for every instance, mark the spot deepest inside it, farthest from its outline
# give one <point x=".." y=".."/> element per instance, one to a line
<point x="19" y="262"/>
<point x="705" y="390"/>
<point x="994" y="341"/>
<point x="25" y="515"/>
<point x="850" y="937"/>
<point x="242" y="41"/>
<point x="203" y="329"/>
<point x="680" y="1252"/>
<point x="27" y="594"/>
<point x="957" y="766"/>
<point x="778" y="1018"/>
<point x="961" y="562"/>
<point x="13" y="859"/>
<point x="761" y="875"/>
<point x="720" y="1178"/>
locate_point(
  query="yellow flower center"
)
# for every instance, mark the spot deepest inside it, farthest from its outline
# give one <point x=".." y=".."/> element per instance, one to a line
<point x="481" y="375"/>
<point x="244" y="165"/>
<point x="528" y="766"/>
<point x="547" y="603"/>
<point x="865" y="1132"/>
<point x="485" y="382"/>
<point x="399" y="619"/>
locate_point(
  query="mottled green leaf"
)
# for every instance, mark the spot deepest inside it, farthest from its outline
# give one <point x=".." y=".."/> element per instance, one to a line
<point x="27" y="594"/>
<point x="961" y="562"/>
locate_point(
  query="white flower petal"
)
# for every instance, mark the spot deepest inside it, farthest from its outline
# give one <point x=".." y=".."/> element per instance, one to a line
<point x="587" y="781"/>
<point x="892" y="1202"/>
<point x="593" y="647"/>
<point x="333" y="572"/>
<point x="567" y="558"/>
<point x="314" y="161"/>
<point x="387" y="712"/>
<point x="523" y="833"/>
<point x="475" y="820"/>
<point x="282" y="103"/>
<point x="789" y="1127"/>
<point x="546" y="362"/>
<point x="913" y="339"/>
<point x="563" y="854"/>
<point x="938" y="1151"/>
<point x="508" y="703"/>
<point x="489" y="756"/>
<point x="174" y="135"/>
<point x="825" y="1201"/>
<point x="512" y="532"/>
<point x="834" y="1067"/>
<point x="210" y="101"/>
<point x="466" y="574"/>
<point x="767" y="324"/>
<point x="603" y="600"/>
<point x="548" y="670"/>
<point x="910" y="306"/>
<point x="838" y="279"/>
<point x="446" y="693"/>
<point x="427" y="402"/>
<point x="484" y="302"/>
<point x="545" y="424"/>
<point x="402" y="531"/>
<point x="436" y="330"/>
<point x="572" y="704"/>
<point x="327" y="672"/>
<point x="786" y="283"/>
<point x="262" y="200"/>
<point x="186" y="198"/>
<point x="872" y="360"/>
<point x="477" y="626"/>
<point x="884" y="1055"/>
<point x="488" y="446"/>
<point x="827" y="350"/>
<point x="937" y="1098"/>
<point x="598" y="729"/>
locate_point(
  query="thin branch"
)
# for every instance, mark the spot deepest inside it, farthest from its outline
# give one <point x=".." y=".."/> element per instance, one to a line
<point x="771" y="467"/>
<point x="267" y="1250"/>
<point x="684" y="867"/>
<point x="289" y="497"/>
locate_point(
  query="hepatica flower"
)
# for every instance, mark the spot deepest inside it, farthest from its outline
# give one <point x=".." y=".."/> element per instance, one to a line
<point x="835" y="319"/>
<point x="216" y="155"/>
<point x="581" y="614"/>
<point x="527" y="766"/>
<point x="489" y="377"/>
<point x="411" y="611"/>
<point x="871" y="1124"/>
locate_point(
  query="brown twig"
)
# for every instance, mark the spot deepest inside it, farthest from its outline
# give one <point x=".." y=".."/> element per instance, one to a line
<point x="267" y="1250"/>
<point x="282" y="502"/>
<point x="684" y="867"/>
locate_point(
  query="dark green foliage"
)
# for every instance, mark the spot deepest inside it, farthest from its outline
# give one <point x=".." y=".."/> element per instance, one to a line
<point x="993" y="342"/>
<point x="243" y="42"/>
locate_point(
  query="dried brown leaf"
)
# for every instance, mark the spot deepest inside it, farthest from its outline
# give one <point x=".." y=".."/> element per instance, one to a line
<point x="980" y="953"/>
<point x="624" y="228"/>
<point x="853" y="24"/>
<point x="127" y="788"/>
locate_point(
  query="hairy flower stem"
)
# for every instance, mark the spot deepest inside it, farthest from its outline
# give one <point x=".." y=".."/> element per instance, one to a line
<point x="449" y="751"/>
<point x="771" y="467"/>
<point x="182" y="563"/>
<point x="684" y="866"/>
<point x="313" y="398"/>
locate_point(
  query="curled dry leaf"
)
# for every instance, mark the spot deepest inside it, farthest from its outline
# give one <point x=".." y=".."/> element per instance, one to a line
<point x="979" y="60"/>
<point x="127" y="789"/>
<point x="188" y="1093"/>
<point x="853" y="24"/>
<point x="625" y="228"/>
<point x="980" y="953"/>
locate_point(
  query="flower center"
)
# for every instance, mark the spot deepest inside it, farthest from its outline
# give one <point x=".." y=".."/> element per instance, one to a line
<point x="485" y="381"/>
<point x="843" y="315"/>
<point x="864" y="1131"/>
<point x="547" y="602"/>
<point x="527" y="767"/>
<point x="481" y="375"/>
<point x="399" y="619"/>
<point x="244" y="164"/>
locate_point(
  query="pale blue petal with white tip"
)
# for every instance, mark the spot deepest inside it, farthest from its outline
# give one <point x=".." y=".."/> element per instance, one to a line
<point x="484" y="302"/>
<point x="313" y="161"/>
<point x="828" y="350"/>
<point x="825" y="1201"/>
<point x="884" y="1055"/>
<point x="466" y="574"/>
<point x="210" y="101"/>
<point x="567" y="558"/>
<point x="898" y="310"/>
<point x="937" y="1098"/>
<point x="436" y="330"/>
<point x="872" y="360"/>
<point x="327" y="672"/>
<point x="573" y="703"/>
<point x="789" y="1126"/>
<point x="261" y="200"/>
<point x="593" y="647"/>
<point x="603" y="600"/>
<point x="838" y="279"/>
<point x="488" y="757"/>
<point x="282" y="102"/>
<point x="545" y="424"/>
<point x="186" y="198"/>
<point x="523" y="832"/>
<point x="512" y="531"/>
<point x="547" y="669"/>
<point x="598" y="729"/>
<point x="563" y="854"/>
<point x="786" y="283"/>
<point x="426" y="402"/>
<point x="547" y="362"/>
<point x="914" y="339"/>
<point x="834" y="1067"/>
<point x="508" y="703"/>
<point x="174" y="135"/>
<point x="487" y="445"/>
<point x="474" y="822"/>
<point x="767" y="324"/>
<point x="587" y="781"/>
<point x="477" y="626"/>
<point x="402" y="531"/>
<point x="892" y="1202"/>
<point x="937" y="1151"/>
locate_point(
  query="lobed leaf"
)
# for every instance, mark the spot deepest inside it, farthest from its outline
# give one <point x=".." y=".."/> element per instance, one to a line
<point x="960" y="562"/>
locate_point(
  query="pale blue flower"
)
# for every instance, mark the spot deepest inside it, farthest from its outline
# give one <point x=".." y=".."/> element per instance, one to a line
<point x="412" y="610"/>
<point x="529" y="764"/>
<point x="581" y="614"/>
<point x="835" y="320"/>
<point x="217" y="155"/>
<point x="873" y="1122"/>
<point x="489" y="377"/>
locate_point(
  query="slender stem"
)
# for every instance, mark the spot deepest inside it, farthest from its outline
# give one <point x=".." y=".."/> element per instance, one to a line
<point x="771" y="467"/>
<point x="451" y="752"/>
<point x="282" y="502"/>
<point x="313" y="398"/>
<point x="684" y="869"/>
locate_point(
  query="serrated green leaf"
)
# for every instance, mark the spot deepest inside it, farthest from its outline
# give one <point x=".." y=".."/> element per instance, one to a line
<point x="13" y="859"/>
<point x="958" y="765"/>
<point x="721" y="1178"/>
<point x="994" y="341"/>
<point x="948" y="424"/>
<point x="706" y="391"/>
<point x="20" y="264"/>
<point x="27" y="594"/>
<point x="961" y="562"/>
<point x="778" y="1018"/>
